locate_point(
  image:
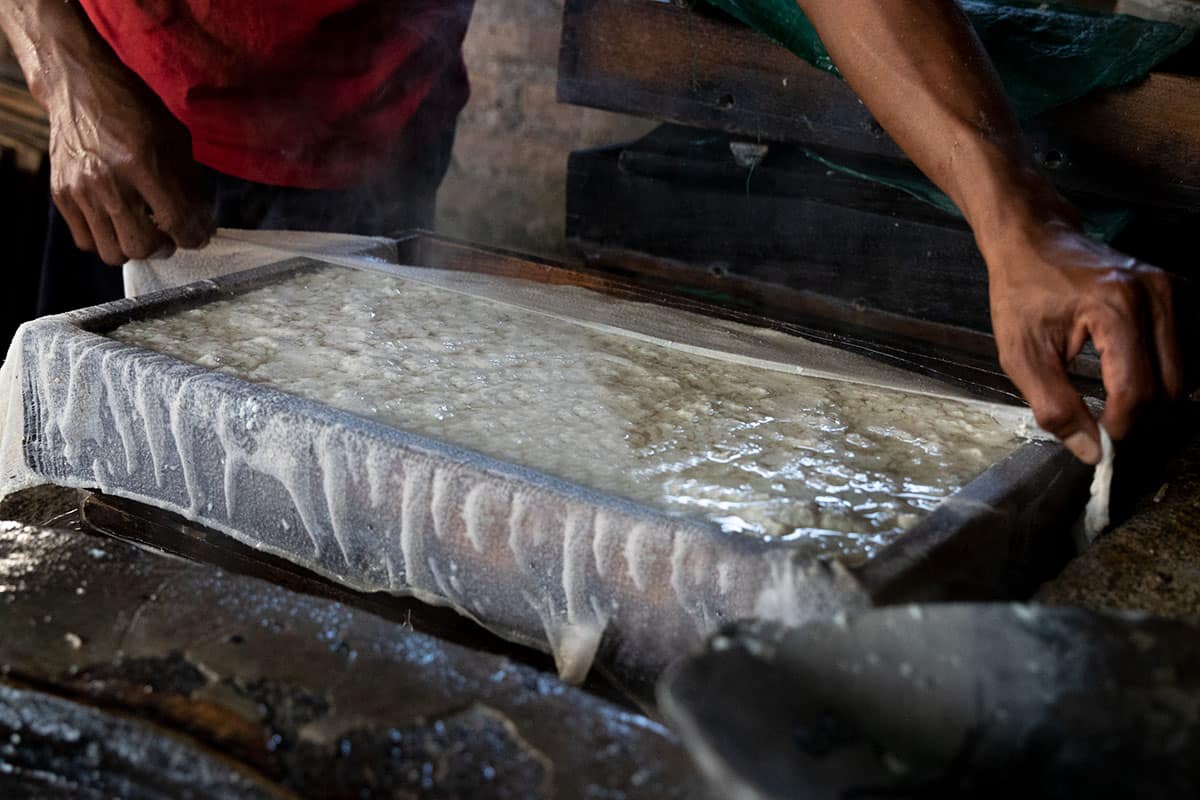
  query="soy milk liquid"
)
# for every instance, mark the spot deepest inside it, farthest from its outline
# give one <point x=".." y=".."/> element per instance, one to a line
<point x="755" y="451"/>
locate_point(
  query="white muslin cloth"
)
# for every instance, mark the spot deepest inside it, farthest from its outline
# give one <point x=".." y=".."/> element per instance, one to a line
<point x="1095" y="518"/>
<point x="236" y="250"/>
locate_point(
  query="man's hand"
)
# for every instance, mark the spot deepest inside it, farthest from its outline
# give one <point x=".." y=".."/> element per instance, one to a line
<point x="119" y="169"/>
<point x="923" y="73"/>
<point x="120" y="165"/>
<point x="1052" y="289"/>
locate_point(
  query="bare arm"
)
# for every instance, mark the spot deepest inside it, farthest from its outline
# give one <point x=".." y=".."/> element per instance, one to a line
<point x="921" y="70"/>
<point x="119" y="162"/>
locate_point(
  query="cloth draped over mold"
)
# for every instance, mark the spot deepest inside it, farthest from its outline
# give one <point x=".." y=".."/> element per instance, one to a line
<point x="379" y="510"/>
<point x="534" y="559"/>
<point x="1046" y="55"/>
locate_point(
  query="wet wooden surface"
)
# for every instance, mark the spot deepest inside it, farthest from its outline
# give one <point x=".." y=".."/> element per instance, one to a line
<point x="264" y="687"/>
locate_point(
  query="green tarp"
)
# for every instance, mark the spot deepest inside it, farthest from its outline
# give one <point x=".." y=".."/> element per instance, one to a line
<point x="1046" y="55"/>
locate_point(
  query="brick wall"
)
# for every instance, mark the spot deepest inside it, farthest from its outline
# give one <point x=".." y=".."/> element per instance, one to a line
<point x="506" y="184"/>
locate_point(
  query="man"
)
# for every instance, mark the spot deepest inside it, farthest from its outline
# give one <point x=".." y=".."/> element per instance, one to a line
<point x="168" y="116"/>
<point x="317" y="95"/>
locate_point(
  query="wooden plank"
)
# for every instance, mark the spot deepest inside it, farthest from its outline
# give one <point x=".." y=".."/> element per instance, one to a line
<point x="678" y="65"/>
<point x="811" y="240"/>
<point x="697" y="68"/>
<point x="1145" y="138"/>
<point x="802" y="258"/>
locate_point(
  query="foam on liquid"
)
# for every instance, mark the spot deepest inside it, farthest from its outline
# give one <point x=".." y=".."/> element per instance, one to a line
<point x="756" y="451"/>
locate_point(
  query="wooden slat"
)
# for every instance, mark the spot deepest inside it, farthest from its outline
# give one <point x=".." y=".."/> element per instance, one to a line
<point x="633" y="199"/>
<point x="1145" y="137"/>
<point x="696" y="68"/>
<point x="661" y="61"/>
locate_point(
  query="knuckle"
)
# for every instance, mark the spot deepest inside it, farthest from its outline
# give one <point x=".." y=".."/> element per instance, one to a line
<point x="1130" y="395"/>
<point x="134" y="242"/>
<point x="114" y="258"/>
<point x="1158" y="282"/>
<point x="63" y="189"/>
<point x="1125" y="295"/>
<point x="1054" y="417"/>
<point x="122" y="163"/>
<point x="1119" y="304"/>
<point x="1011" y="352"/>
<point x="61" y="196"/>
<point x="140" y="251"/>
<point x="91" y="171"/>
<point x="168" y="220"/>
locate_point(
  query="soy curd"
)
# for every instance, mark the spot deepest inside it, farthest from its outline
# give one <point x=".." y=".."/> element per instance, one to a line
<point x="757" y="452"/>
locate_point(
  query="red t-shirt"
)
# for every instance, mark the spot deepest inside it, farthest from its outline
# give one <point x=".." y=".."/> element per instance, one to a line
<point x="306" y="93"/>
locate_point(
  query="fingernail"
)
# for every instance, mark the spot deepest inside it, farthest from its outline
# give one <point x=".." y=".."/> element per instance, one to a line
<point x="1084" y="447"/>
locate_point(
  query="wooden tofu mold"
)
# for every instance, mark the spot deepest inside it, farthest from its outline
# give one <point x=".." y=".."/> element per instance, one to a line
<point x="534" y="558"/>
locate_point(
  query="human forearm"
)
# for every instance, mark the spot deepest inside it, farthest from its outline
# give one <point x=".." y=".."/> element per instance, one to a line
<point x="921" y="70"/>
<point x="120" y="164"/>
<point x="54" y="42"/>
<point x="923" y="73"/>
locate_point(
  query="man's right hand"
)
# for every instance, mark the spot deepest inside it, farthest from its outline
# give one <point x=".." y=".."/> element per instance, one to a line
<point x="121" y="171"/>
<point x="1052" y="288"/>
<point x="922" y="71"/>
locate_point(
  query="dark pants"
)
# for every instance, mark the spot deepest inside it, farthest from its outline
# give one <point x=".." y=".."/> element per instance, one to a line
<point x="403" y="198"/>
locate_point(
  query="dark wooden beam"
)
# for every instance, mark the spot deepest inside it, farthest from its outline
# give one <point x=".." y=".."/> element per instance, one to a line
<point x="699" y="68"/>
<point x="787" y="224"/>
<point x="690" y="67"/>
<point x="1141" y="141"/>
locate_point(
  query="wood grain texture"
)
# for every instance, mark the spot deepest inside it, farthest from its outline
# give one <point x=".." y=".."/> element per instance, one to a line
<point x="696" y="67"/>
